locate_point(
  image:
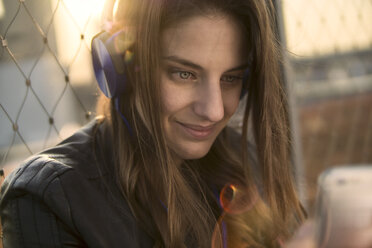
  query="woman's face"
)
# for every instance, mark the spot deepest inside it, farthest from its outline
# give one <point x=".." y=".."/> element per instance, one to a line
<point x="201" y="80"/>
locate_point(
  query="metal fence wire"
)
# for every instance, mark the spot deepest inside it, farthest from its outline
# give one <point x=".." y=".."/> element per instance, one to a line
<point x="47" y="88"/>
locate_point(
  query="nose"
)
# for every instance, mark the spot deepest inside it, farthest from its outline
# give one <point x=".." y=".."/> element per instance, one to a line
<point x="209" y="103"/>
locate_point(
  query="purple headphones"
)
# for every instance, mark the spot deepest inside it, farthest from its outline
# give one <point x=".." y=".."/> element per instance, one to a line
<point x="109" y="68"/>
<point x="108" y="64"/>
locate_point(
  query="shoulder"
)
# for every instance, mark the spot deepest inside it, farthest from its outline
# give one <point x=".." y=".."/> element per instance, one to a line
<point x="72" y="160"/>
<point x="69" y="182"/>
<point x="73" y="153"/>
<point x="48" y="177"/>
<point x="34" y="182"/>
<point x="34" y="175"/>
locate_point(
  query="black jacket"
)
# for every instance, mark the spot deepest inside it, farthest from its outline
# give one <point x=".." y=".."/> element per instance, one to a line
<point x="62" y="198"/>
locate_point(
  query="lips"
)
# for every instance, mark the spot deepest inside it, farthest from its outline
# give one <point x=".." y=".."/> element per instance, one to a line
<point x="197" y="131"/>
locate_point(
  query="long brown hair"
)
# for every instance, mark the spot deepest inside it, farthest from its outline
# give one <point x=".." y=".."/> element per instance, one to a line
<point x="177" y="204"/>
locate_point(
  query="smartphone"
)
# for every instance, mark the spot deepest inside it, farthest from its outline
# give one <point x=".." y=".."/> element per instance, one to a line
<point x="343" y="213"/>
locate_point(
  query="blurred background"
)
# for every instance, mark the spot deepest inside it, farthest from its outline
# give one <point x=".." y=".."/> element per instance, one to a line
<point x="48" y="90"/>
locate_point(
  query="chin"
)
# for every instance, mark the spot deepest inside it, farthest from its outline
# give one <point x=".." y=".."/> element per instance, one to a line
<point x="194" y="156"/>
<point x="194" y="153"/>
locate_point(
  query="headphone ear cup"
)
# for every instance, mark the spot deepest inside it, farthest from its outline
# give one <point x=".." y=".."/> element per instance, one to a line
<point x="108" y="64"/>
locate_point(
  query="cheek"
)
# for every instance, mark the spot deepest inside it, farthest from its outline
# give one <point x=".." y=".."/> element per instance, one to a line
<point x="166" y="94"/>
<point x="168" y="102"/>
<point x="231" y="103"/>
<point x="172" y="98"/>
<point x="231" y="108"/>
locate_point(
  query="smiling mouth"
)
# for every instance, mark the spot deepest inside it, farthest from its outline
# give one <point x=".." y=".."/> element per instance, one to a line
<point x="197" y="131"/>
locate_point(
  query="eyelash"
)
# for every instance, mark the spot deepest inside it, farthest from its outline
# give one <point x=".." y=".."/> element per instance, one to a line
<point x="233" y="79"/>
<point x="230" y="79"/>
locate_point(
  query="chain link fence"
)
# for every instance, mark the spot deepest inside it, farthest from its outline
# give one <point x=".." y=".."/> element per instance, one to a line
<point x="47" y="88"/>
<point x="46" y="79"/>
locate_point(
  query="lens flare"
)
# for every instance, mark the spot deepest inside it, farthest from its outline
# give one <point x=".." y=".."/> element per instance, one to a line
<point x="237" y="200"/>
<point x="234" y="200"/>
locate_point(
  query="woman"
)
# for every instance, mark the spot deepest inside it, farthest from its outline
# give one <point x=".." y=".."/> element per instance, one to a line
<point x="161" y="168"/>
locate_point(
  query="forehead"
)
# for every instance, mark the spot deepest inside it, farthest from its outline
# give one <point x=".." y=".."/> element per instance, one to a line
<point x="205" y="39"/>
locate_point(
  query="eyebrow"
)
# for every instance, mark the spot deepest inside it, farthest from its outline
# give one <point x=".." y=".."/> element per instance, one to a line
<point x="198" y="67"/>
